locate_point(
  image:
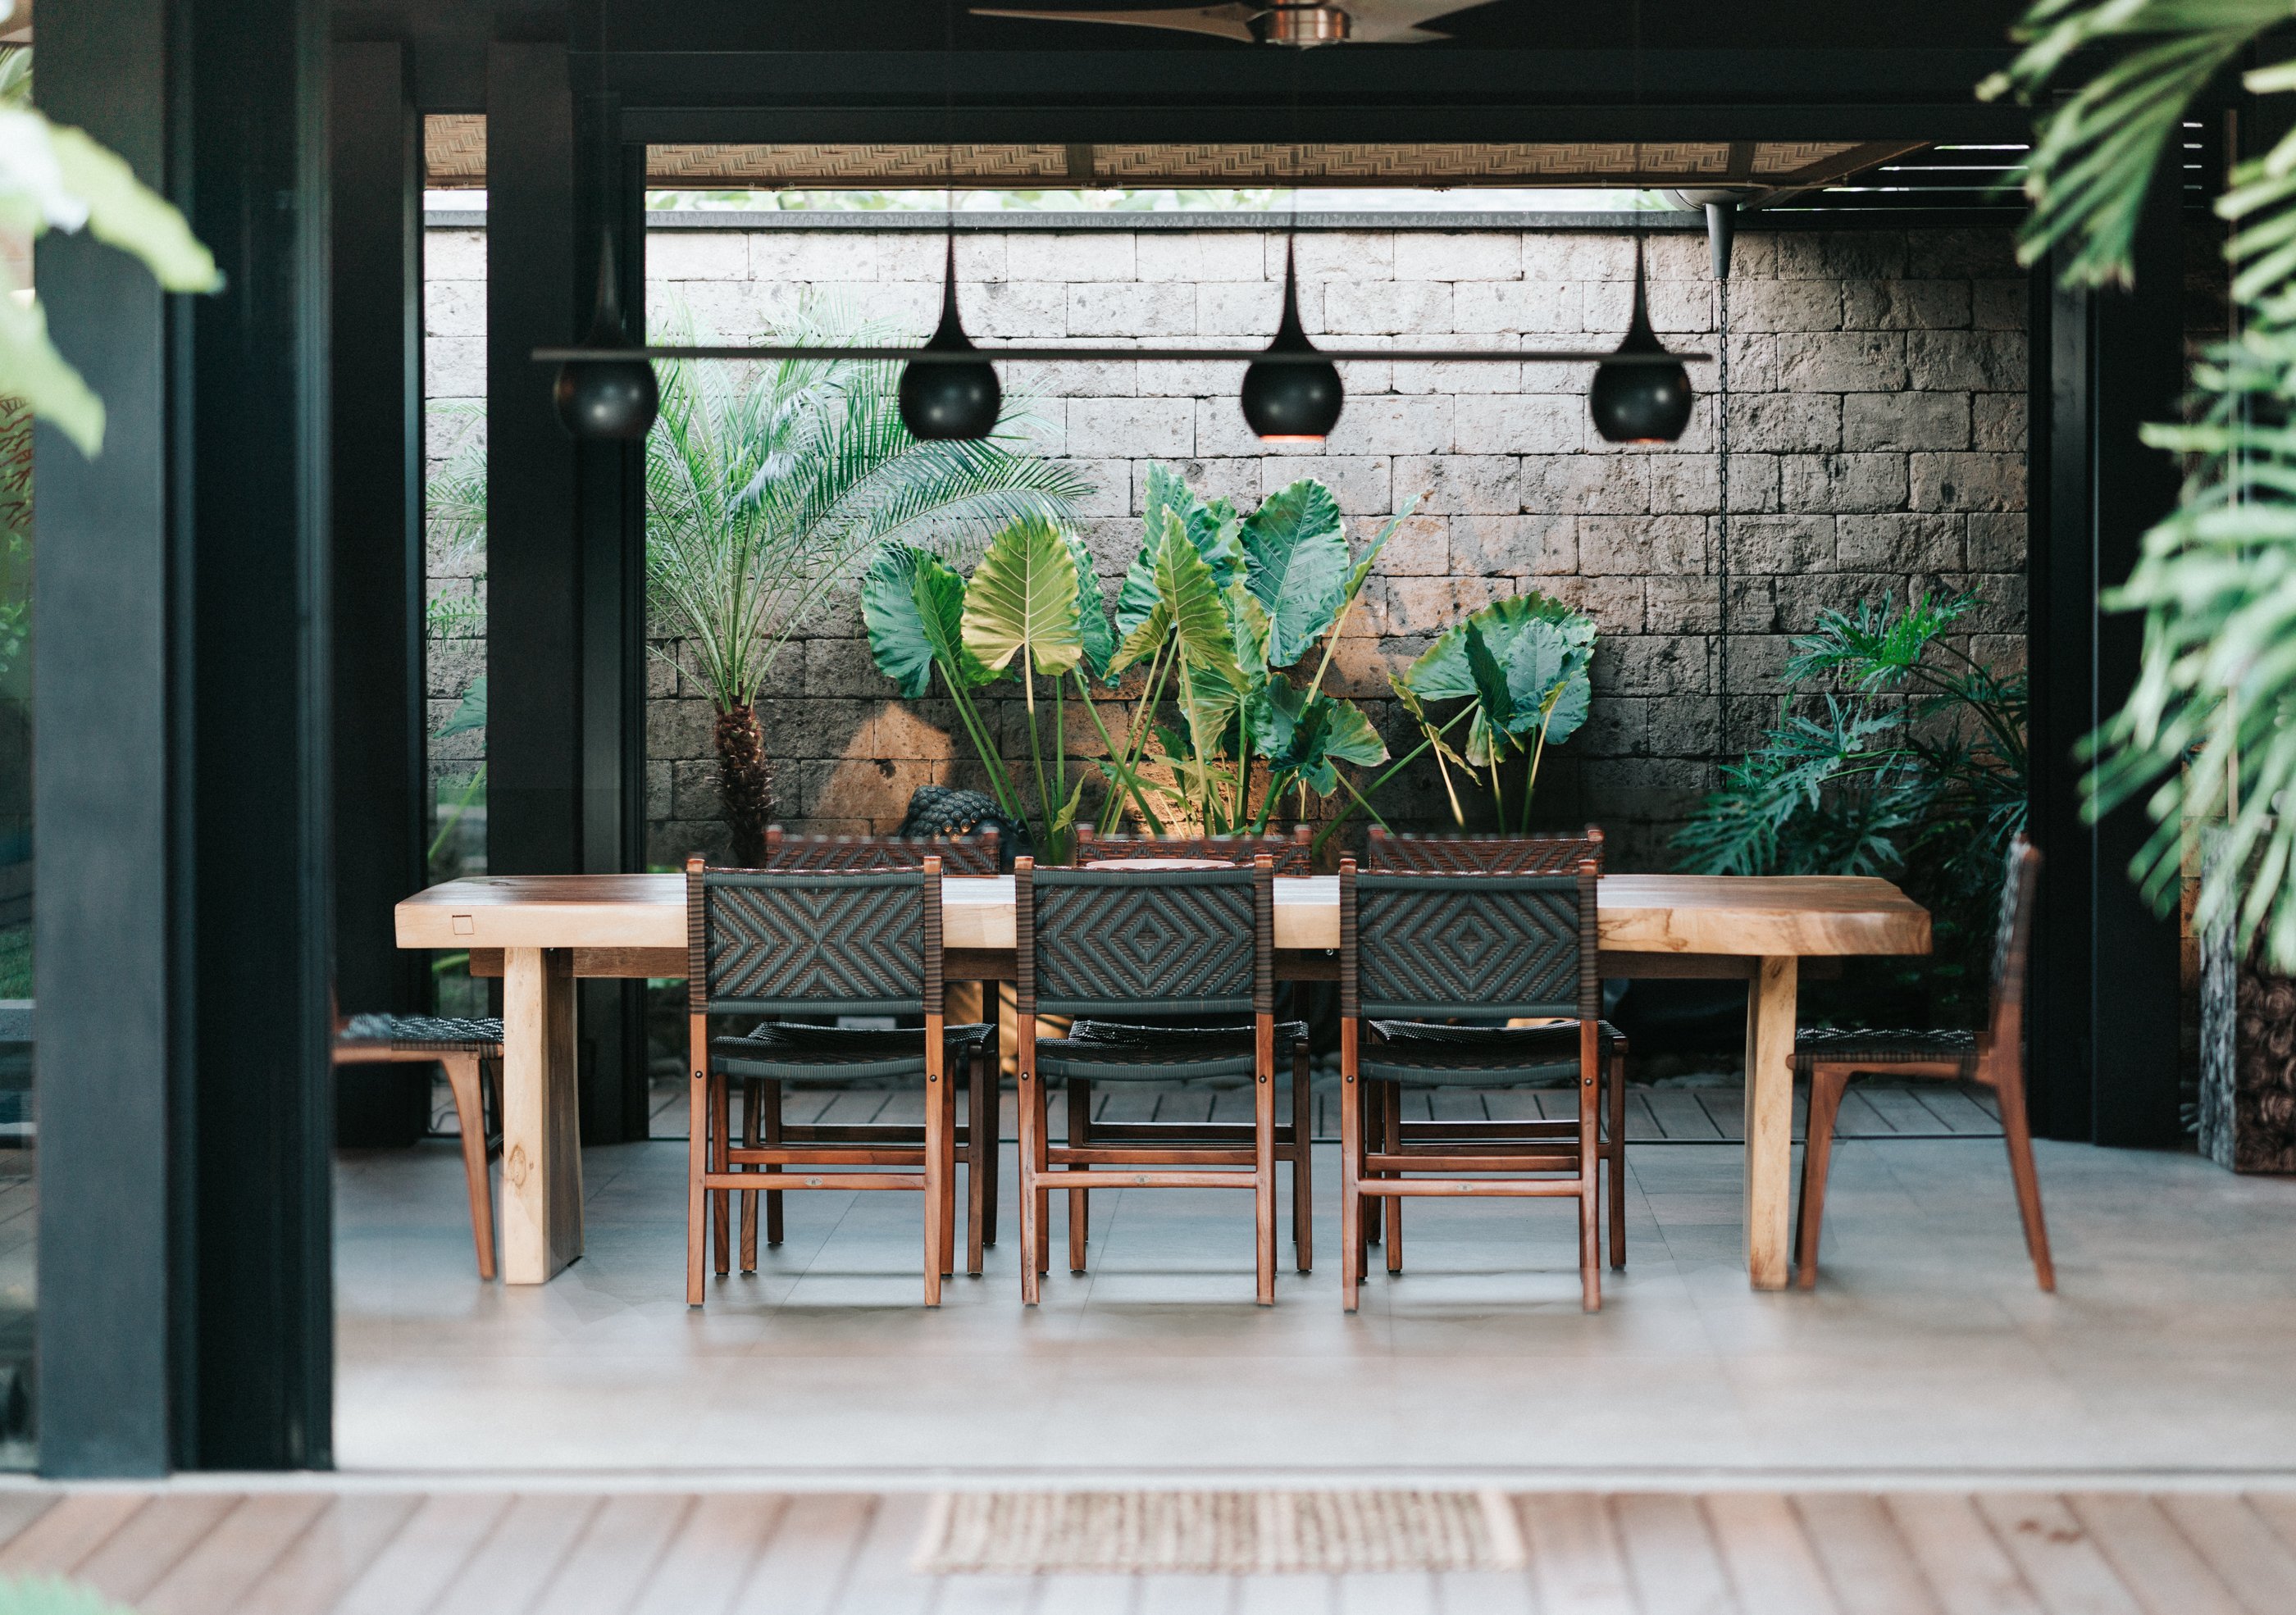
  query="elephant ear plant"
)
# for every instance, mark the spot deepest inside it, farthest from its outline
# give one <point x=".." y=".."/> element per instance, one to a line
<point x="1217" y="610"/>
<point x="1520" y="665"/>
<point x="1213" y="610"/>
<point x="768" y="490"/>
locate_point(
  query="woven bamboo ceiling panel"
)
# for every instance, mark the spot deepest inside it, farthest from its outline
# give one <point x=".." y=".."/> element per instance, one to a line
<point x="458" y="157"/>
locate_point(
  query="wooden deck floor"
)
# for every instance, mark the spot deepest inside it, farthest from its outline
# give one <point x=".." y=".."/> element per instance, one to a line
<point x="1654" y="1115"/>
<point x="308" y="1551"/>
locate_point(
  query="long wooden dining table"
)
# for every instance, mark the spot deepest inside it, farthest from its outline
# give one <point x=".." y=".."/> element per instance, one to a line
<point x="542" y="933"/>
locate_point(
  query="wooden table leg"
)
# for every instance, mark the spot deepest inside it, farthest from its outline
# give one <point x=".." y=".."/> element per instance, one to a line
<point x="1769" y="1121"/>
<point x="542" y="1154"/>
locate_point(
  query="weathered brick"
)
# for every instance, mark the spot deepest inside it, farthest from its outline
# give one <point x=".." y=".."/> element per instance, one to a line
<point x="1843" y="482"/>
<point x="1575" y="485"/>
<point x="1514" y="546"/>
<point x="1114" y="426"/>
<point x="1786" y="546"/>
<point x="1197" y="256"/>
<point x="1492" y="255"/>
<point x="1998" y="422"/>
<point x="1970" y="361"/>
<point x="1845" y="361"/>
<point x="1421" y="548"/>
<point x="1904" y="305"/>
<point x="1905" y="420"/>
<point x="1898" y="541"/>
<point x="1997" y="541"/>
<point x="1462" y="484"/>
<point x="1392" y="425"/>
<point x="1968" y="482"/>
<point x="1130" y="310"/>
<point x="1385" y="308"/>
<point x="1645" y="547"/>
<point x="1359" y="483"/>
<point x="1786" y="421"/>
<point x="1798" y="305"/>
<point x="1086" y="255"/>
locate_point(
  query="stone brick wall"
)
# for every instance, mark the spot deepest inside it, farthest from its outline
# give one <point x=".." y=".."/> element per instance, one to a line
<point x="1876" y="433"/>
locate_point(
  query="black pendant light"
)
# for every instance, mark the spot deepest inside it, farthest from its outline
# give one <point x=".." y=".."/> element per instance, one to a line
<point x="1297" y="397"/>
<point x="607" y="398"/>
<point x="945" y="400"/>
<point x="1647" y="401"/>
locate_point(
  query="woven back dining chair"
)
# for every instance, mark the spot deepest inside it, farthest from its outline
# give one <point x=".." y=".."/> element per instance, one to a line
<point x="806" y="948"/>
<point x="764" y="1110"/>
<point x="1427" y="963"/>
<point x="469" y="1052"/>
<point x="1994" y="1057"/>
<point x="1291" y="851"/>
<point x="1390" y="853"/>
<point x="1120" y="948"/>
<point x="970" y="855"/>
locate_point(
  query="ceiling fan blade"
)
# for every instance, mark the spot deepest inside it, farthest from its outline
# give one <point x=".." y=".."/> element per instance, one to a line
<point x="1397" y="21"/>
<point x="1226" y="21"/>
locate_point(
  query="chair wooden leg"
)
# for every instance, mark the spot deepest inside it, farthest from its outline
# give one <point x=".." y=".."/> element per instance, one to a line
<point x="1827" y="1083"/>
<point x="2017" y="1130"/>
<point x="1374" y="1138"/>
<point x="1617" y="1153"/>
<point x="720" y="1199"/>
<point x="1032" y="1127"/>
<point x="697" y="1147"/>
<point x="1263" y="1173"/>
<point x="1390" y="1099"/>
<point x="936" y="1200"/>
<point x="770" y="1102"/>
<point x="1079" y="1200"/>
<point x="1303" y="1162"/>
<point x="979" y="1158"/>
<point x="471" y="1116"/>
<point x="1352" y="1221"/>
<point x="752" y="1103"/>
<point x="1590" y="1165"/>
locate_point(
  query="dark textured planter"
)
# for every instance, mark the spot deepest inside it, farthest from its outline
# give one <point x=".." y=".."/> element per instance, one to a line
<point x="2248" y="1059"/>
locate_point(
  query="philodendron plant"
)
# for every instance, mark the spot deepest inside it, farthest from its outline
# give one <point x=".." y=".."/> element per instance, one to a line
<point x="1214" y="611"/>
<point x="1520" y="669"/>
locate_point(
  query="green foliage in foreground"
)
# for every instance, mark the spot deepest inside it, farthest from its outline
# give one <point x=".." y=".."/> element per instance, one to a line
<point x="2207" y="734"/>
<point x="54" y="1596"/>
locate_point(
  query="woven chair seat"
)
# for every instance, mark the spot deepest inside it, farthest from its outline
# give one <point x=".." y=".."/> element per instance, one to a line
<point x="1115" y="1050"/>
<point x="1882" y="1047"/>
<point x="794" y="1051"/>
<point x="1420" y="1054"/>
<point x="426" y="1033"/>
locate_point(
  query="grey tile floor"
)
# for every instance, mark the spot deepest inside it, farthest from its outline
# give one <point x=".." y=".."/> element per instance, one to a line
<point x="1925" y="1349"/>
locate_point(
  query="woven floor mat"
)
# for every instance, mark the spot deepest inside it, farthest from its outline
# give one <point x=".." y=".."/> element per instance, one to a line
<point x="1217" y="1533"/>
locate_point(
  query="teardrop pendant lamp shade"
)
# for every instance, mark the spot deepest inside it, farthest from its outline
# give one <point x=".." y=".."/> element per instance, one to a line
<point x="1648" y="400"/>
<point x="950" y="402"/>
<point x="1294" y="401"/>
<point x="608" y="400"/>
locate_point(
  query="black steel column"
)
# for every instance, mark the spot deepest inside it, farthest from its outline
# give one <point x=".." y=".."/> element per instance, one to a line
<point x="376" y="376"/>
<point x="253" y="798"/>
<point x="103" y="938"/>
<point x="565" y="727"/>
<point x="2105" y="992"/>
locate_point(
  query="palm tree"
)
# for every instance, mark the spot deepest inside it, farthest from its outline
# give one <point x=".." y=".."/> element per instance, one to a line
<point x="768" y="488"/>
<point x="2207" y="733"/>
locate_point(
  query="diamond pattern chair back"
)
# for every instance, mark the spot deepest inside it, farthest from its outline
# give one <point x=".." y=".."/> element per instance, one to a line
<point x="2012" y="944"/>
<point x="760" y="942"/>
<point x="1164" y="942"/>
<point x="1429" y="947"/>
<point x="972" y="854"/>
<point x="1528" y="854"/>
<point x="1291" y="852"/>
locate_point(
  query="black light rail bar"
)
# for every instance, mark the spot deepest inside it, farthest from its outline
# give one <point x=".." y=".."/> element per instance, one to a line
<point x="1241" y="355"/>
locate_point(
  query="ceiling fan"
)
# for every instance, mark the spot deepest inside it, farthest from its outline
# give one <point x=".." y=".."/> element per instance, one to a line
<point x="1358" y="21"/>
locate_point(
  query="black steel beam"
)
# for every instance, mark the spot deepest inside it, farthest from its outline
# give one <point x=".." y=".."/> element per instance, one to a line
<point x="565" y="730"/>
<point x="2106" y="995"/>
<point x="376" y="376"/>
<point x="256" y="775"/>
<point x="105" y="943"/>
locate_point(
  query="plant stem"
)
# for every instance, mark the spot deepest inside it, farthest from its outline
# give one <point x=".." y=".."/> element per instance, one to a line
<point x="1035" y="749"/>
<point x="1125" y="775"/>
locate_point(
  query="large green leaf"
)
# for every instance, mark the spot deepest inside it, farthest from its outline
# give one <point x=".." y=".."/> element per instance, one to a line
<point x="1098" y="638"/>
<point x="124" y="213"/>
<point x="1022" y="604"/>
<point x="1306" y="736"/>
<point x="1441" y="672"/>
<point x="1297" y="566"/>
<point x="1198" y="606"/>
<point x="913" y="604"/>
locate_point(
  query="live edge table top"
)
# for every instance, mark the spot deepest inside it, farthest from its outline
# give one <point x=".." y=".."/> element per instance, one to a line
<point x="1642" y="915"/>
